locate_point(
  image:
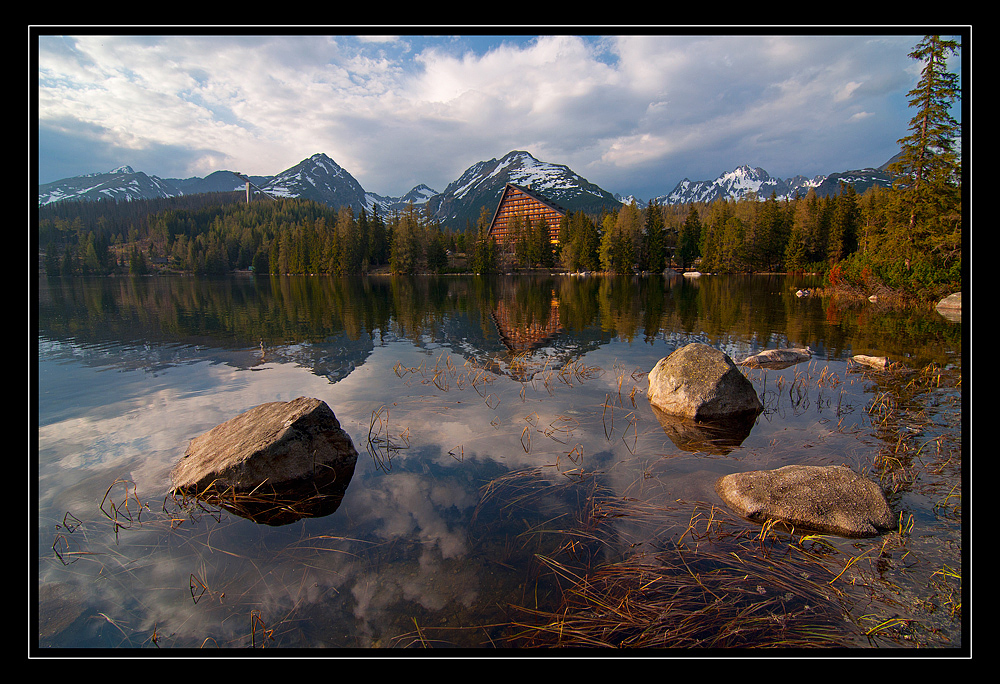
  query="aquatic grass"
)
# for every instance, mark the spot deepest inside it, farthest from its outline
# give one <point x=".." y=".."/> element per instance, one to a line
<point x="121" y="514"/>
<point x="124" y="558"/>
<point x="953" y="596"/>
<point x="714" y="582"/>
<point x="257" y="622"/>
<point x="682" y="599"/>
<point x="907" y="426"/>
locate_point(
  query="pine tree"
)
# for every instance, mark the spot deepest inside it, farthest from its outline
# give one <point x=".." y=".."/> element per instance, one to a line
<point x="51" y="259"/>
<point x="733" y="255"/>
<point x="484" y="258"/>
<point x="654" y="249"/>
<point x="807" y="227"/>
<point x="589" y="238"/>
<point x="773" y="233"/>
<point x="690" y="236"/>
<point x="607" y="251"/>
<point x="842" y="239"/>
<point x="350" y="247"/>
<point x="378" y="252"/>
<point x="406" y="248"/>
<point x="437" y="255"/>
<point x="712" y="232"/>
<point x="546" y="256"/>
<point x="928" y="167"/>
<point x="795" y="251"/>
<point x="628" y="238"/>
<point x="137" y="263"/>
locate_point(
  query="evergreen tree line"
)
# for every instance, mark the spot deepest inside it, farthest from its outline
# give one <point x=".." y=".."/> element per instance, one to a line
<point x="862" y="239"/>
<point x="286" y="236"/>
<point x="858" y="240"/>
<point x="725" y="236"/>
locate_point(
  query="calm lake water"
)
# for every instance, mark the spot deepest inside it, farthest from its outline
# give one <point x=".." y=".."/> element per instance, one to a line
<point x="497" y="420"/>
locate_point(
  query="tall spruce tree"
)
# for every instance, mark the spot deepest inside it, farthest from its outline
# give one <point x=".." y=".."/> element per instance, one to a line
<point x="654" y="248"/>
<point x="689" y="238"/>
<point x="928" y="168"/>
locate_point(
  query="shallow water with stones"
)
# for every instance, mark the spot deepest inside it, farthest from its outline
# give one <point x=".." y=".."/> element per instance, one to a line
<point x="489" y="415"/>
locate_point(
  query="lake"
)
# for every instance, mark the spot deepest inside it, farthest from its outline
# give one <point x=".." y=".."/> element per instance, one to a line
<point x="513" y="489"/>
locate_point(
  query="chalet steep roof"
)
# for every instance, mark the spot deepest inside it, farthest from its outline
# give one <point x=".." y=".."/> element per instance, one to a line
<point x="530" y="193"/>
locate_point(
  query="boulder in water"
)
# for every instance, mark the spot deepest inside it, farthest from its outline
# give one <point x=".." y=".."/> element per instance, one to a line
<point x="827" y="499"/>
<point x="700" y="382"/>
<point x="876" y="362"/>
<point x="951" y="307"/>
<point x="777" y="358"/>
<point x="275" y="463"/>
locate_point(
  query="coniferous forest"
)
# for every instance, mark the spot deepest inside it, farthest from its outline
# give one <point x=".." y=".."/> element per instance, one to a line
<point x="908" y="238"/>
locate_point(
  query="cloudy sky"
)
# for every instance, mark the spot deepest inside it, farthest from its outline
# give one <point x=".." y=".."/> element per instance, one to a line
<point x="633" y="113"/>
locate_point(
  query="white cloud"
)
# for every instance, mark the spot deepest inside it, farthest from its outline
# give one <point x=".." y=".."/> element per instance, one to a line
<point x="398" y="110"/>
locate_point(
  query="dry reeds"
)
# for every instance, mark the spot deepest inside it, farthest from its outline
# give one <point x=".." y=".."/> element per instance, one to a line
<point x="706" y="601"/>
<point x="705" y="590"/>
<point x="631" y="574"/>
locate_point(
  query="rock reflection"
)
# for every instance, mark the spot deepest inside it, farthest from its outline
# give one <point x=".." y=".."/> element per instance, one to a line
<point x="286" y="503"/>
<point x="716" y="437"/>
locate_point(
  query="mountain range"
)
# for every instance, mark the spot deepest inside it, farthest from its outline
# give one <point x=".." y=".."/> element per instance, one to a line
<point x="743" y="180"/>
<point x="321" y="179"/>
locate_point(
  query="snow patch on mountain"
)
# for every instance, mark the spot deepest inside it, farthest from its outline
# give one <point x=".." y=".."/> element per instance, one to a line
<point x="418" y="196"/>
<point x="122" y="183"/>
<point x="740" y="183"/>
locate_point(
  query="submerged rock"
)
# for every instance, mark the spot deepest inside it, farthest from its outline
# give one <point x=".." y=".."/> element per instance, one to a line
<point x="877" y="362"/>
<point x="275" y="463"/>
<point x="59" y="605"/>
<point x="700" y="382"/>
<point x="828" y="499"/>
<point x="952" y="301"/>
<point x="777" y="358"/>
<point x="951" y="307"/>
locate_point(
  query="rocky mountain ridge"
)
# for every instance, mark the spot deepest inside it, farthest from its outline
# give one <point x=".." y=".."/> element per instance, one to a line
<point x="321" y="179"/>
<point x="745" y="180"/>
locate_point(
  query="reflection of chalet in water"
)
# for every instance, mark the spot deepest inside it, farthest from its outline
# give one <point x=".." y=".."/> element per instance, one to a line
<point x="524" y="202"/>
<point x="520" y="332"/>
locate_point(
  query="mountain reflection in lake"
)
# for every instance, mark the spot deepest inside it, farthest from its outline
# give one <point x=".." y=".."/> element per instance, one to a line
<point x="492" y="417"/>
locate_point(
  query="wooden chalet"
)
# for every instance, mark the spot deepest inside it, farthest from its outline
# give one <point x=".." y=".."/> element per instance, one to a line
<point x="529" y="205"/>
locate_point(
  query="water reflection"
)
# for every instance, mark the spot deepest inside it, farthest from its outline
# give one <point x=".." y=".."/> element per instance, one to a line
<point x="285" y="503"/>
<point x="717" y="437"/>
<point x="524" y="323"/>
<point x="426" y="374"/>
<point x="331" y="325"/>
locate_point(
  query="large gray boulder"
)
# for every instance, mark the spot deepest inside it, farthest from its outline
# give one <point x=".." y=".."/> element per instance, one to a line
<point x="826" y="499"/>
<point x="274" y="463"/>
<point x="701" y="382"/>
